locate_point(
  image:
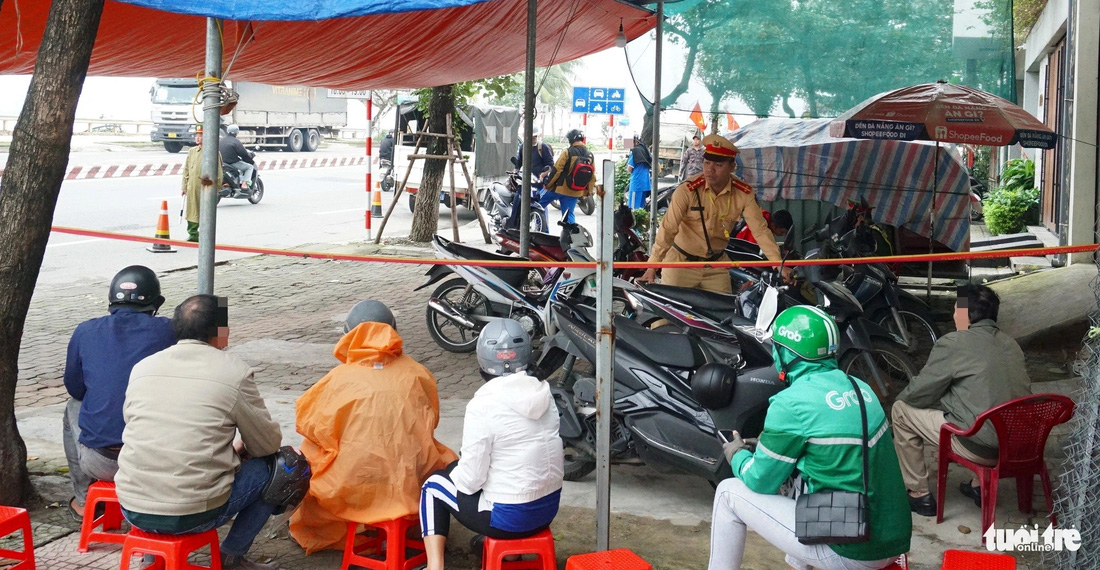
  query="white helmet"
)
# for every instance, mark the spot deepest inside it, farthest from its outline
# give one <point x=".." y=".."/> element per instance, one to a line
<point x="233" y="130"/>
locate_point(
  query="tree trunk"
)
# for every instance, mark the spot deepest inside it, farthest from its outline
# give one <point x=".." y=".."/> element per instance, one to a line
<point x="426" y="213"/>
<point x="36" y="166"/>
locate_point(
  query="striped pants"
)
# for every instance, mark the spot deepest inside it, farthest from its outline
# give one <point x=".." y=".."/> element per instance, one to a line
<point x="439" y="499"/>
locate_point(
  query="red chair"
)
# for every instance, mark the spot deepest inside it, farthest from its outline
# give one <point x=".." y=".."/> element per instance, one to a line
<point x="902" y="563"/>
<point x="392" y="533"/>
<point x="619" y="559"/>
<point x="171" y="550"/>
<point x="541" y="544"/>
<point x="1022" y="427"/>
<point x="101" y="492"/>
<point x="963" y="560"/>
<point x="14" y="519"/>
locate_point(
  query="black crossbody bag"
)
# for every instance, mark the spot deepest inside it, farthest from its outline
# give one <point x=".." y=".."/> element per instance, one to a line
<point x="836" y="517"/>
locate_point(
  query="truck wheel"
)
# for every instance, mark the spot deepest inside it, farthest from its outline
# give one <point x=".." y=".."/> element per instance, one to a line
<point x="312" y="140"/>
<point x="294" y="141"/>
<point x="173" y="146"/>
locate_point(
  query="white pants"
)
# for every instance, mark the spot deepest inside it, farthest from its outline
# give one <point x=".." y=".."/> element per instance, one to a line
<point x="737" y="508"/>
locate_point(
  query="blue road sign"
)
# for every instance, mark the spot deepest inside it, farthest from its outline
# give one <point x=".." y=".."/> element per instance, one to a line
<point x="599" y="100"/>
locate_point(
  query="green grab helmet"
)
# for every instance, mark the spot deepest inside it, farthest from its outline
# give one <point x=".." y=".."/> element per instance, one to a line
<point x="807" y="331"/>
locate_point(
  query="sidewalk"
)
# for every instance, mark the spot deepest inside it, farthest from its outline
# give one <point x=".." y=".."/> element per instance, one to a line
<point x="285" y="316"/>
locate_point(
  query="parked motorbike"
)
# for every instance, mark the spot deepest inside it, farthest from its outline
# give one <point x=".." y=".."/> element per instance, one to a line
<point x="231" y="185"/>
<point x="386" y="172"/>
<point x="502" y="198"/>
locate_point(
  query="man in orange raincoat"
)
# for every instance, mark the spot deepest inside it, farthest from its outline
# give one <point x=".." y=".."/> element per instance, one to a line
<point x="369" y="433"/>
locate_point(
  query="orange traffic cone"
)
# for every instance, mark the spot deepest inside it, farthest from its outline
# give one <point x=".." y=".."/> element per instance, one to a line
<point x="162" y="231"/>
<point x="376" y="203"/>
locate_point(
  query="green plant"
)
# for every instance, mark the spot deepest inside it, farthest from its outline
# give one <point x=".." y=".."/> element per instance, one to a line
<point x="622" y="181"/>
<point x="1009" y="208"/>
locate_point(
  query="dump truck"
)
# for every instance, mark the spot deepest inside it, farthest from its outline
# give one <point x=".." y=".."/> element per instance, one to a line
<point x="271" y="117"/>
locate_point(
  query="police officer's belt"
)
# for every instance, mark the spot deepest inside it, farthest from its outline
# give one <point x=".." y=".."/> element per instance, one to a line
<point x="691" y="257"/>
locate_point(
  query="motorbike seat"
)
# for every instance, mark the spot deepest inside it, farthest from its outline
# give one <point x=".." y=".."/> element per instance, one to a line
<point x="716" y="306"/>
<point x="514" y="276"/>
<point x="666" y="348"/>
<point x="537" y="238"/>
<point x="743" y="249"/>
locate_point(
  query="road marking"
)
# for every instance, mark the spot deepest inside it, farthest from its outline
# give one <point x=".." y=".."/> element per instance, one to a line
<point x="339" y="211"/>
<point x="75" y="242"/>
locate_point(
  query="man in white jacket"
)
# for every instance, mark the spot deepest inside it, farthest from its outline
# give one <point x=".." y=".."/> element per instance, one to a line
<point x="507" y="481"/>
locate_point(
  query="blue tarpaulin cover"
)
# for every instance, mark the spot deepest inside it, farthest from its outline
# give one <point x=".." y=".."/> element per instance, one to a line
<point x="300" y="10"/>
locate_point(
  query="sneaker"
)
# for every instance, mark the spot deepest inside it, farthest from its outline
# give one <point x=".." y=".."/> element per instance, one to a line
<point x="973" y="492"/>
<point x="924" y="506"/>
<point x="231" y="562"/>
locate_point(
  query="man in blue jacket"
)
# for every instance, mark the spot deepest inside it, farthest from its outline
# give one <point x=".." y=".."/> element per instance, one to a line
<point x="97" y="370"/>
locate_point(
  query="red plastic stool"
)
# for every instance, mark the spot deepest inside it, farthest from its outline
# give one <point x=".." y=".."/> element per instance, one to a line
<point x="541" y="544"/>
<point x="171" y="550"/>
<point x="13" y="519"/>
<point x="101" y="492"/>
<point x="965" y="560"/>
<point x="902" y="563"/>
<point x="620" y="559"/>
<point x="394" y="534"/>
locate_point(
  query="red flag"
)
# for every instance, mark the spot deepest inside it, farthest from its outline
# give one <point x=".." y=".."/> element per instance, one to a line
<point x="697" y="117"/>
<point x="731" y="122"/>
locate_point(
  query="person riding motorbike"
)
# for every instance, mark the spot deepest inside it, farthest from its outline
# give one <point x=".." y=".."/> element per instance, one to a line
<point x="234" y="154"/>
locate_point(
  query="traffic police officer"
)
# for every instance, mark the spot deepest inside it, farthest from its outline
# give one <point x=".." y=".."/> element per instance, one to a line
<point x="700" y="216"/>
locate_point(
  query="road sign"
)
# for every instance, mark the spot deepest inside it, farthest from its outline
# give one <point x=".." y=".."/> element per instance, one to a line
<point x="339" y="94"/>
<point x="599" y="100"/>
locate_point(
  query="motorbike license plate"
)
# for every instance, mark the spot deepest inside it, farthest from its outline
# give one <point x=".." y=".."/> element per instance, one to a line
<point x="172" y="135"/>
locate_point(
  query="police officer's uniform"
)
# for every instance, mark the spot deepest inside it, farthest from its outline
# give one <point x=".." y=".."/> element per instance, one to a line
<point x="698" y="222"/>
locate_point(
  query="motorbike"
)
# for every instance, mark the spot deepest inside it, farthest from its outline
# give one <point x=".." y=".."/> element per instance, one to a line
<point x="231" y="185"/>
<point x="387" y="182"/>
<point x="502" y="198"/>
<point x="658" y="417"/>
<point x="459" y="307"/>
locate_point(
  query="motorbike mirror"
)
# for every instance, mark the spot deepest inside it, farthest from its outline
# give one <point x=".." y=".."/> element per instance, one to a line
<point x="515" y="162"/>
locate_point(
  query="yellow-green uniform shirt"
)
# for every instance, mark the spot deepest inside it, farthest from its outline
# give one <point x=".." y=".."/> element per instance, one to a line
<point x="192" y="181"/>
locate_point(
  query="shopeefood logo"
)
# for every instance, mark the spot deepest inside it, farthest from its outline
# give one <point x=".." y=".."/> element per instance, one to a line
<point x="1032" y="539"/>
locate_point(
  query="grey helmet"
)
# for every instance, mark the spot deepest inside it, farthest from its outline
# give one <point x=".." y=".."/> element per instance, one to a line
<point x="233" y="130"/>
<point x="369" y="311"/>
<point x="503" y="347"/>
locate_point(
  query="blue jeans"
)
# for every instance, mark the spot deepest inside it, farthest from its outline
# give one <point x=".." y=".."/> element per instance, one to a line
<point x="568" y="204"/>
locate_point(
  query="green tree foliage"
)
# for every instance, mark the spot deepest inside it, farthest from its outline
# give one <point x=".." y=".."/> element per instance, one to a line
<point x="1013" y="205"/>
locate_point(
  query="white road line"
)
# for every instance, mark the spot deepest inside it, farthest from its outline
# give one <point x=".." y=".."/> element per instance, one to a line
<point x="75" y="242"/>
<point x="339" y="211"/>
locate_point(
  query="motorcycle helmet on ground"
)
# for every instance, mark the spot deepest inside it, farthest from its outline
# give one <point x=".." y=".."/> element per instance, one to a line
<point x="809" y="332"/>
<point x="712" y="385"/>
<point x="574" y="136"/>
<point x="503" y="347"/>
<point x="136" y="286"/>
<point x="369" y="311"/>
<point x="289" y="483"/>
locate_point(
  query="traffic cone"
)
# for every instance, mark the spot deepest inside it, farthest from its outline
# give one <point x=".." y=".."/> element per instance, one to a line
<point x="162" y="231"/>
<point x="376" y="203"/>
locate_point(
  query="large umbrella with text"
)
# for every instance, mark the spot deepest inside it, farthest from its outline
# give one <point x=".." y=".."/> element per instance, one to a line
<point x="943" y="112"/>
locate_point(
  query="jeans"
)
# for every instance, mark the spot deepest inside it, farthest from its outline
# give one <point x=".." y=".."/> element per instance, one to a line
<point x="85" y="464"/>
<point x="568" y="204"/>
<point x="245" y="169"/>
<point x="737" y="508"/>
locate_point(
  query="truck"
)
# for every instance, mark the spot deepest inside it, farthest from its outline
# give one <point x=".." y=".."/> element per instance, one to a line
<point x="270" y="117"/>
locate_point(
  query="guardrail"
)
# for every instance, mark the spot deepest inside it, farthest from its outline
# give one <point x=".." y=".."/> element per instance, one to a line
<point x="92" y="126"/>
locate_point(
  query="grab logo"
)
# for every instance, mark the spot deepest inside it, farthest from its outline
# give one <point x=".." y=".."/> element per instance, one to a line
<point x="790" y="335"/>
<point x="839" y="401"/>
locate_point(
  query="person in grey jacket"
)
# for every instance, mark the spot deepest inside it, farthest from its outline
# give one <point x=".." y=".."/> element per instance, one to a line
<point x="968" y="372"/>
<point x="179" y="471"/>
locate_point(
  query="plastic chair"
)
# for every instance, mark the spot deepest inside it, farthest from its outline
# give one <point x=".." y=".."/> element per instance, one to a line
<point x="964" y="560"/>
<point x="619" y="559"/>
<point x="14" y="519"/>
<point x="393" y="535"/>
<point x="101" y="492"/>
<point x="541" y="544"/>
<point x="1022" y="427"/>
<point x="902" y="563"/>
<point x="171" y="550"/>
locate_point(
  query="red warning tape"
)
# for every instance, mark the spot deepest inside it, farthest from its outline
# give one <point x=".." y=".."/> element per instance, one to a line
<point x="921" y="258"/>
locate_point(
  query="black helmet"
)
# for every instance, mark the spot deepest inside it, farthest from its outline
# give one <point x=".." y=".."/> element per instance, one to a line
<point x="369" y="311"/>
<point x="574" y="136"/>
<point x="712" y="385"/>
<point x="289" y="483"/>
<point x="136" y="286"/>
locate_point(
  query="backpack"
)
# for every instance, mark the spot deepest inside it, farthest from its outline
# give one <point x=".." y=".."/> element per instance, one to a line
<point x="582" y="172"/>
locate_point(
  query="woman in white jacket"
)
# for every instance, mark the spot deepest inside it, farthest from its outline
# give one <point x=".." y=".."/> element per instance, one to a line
<point x="507" y="481"/>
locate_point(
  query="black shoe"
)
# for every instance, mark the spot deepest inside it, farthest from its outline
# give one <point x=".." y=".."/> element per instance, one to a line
<point x="924" y="506"/>
<point x="972" y="492"/>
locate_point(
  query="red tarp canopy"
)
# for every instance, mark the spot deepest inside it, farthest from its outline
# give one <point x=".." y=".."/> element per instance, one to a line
<point x="391" y="51"/>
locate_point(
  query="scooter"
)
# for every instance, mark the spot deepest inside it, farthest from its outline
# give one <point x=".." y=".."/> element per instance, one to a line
<point x="387" y="183"/>
<point x="231" y="185"/>
<point x="503" y="198"/>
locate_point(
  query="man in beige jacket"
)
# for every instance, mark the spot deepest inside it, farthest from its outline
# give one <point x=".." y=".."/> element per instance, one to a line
<point x="179" y="471"/>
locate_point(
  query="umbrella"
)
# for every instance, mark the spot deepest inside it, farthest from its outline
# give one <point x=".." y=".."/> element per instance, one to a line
<point x="943" y="112"/>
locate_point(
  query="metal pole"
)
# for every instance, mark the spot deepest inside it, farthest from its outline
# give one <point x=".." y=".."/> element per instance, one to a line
<point x="369" y="145"/>
<point x="655" y="169"/>
<point x="604" y="356"/>
<point x="528" y="126"/>
<point x="932" y="219"/>
<point x="211" y="158"/>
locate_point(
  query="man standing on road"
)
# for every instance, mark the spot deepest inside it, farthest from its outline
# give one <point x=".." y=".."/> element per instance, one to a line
<point x="638" y="165"/>
<point x="234" y="154"/>
<point x="179" y="471"/>
<point x="572" y="178"/>
<point x="691" y="163"/>
<point x="193" y="183"/>
<point x="968" y="372"/>
<point x="700" y="217"/>
<point x="101" y="354"/>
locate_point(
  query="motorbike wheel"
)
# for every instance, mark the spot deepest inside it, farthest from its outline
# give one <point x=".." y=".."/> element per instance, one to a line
<point x="587" y="205"/>
<point x="257" y="192"/>
<point x="538" y="221"/>
<point x="387" y="183"/>
<point x="918" y="324"/>
<point x="448" y="334"/>
<point x="896" y="366"/>
<point x="577" y="464"/>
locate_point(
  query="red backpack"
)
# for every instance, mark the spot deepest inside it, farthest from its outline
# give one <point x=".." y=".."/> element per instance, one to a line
<point x="582" y="172"/>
